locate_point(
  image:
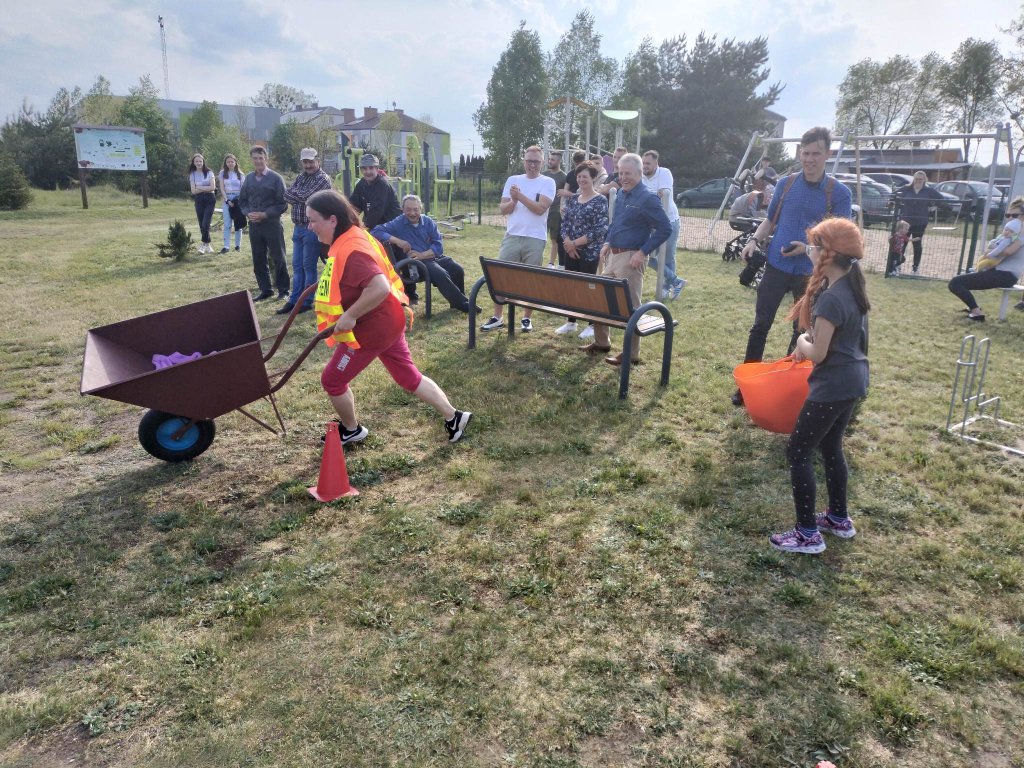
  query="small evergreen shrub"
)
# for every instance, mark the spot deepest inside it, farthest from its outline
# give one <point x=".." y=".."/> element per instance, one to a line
<point x="15" y="193"/>
<point x="179" y="242"/>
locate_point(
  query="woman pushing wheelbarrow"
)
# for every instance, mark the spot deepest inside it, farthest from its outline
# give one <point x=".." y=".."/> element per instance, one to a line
<point x="360" y="296"/>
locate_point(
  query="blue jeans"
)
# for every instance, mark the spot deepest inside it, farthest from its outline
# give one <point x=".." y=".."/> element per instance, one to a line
<point x="305" y="253"/>
<point x="670" y="257"/>
<point x="226" y="213"/>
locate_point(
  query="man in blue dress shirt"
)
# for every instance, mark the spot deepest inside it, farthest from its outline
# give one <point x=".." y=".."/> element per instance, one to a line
<point x="417" y="236"/>
<point x="804" y="200"/>
<point x="638" y="227"/>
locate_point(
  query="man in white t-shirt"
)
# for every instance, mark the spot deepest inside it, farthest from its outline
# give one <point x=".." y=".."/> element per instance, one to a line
<point x="658" y="180"/>
<point x="525" y="200"/>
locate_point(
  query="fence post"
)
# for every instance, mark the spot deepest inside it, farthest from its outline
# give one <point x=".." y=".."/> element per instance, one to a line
<point x="479" y="198"/>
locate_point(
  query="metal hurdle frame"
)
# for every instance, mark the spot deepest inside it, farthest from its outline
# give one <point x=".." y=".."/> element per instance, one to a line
<point x="968" y="385"/>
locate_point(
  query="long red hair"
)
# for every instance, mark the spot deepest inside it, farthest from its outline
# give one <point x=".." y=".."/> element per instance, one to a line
<point x="841" y="244"/>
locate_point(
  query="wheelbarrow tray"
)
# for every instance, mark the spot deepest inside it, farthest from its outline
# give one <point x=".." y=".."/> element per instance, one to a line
<point x="118" y="359"/>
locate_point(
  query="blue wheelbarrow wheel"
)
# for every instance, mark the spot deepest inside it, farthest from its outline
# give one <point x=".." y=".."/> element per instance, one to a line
<point x="157" y="435"/>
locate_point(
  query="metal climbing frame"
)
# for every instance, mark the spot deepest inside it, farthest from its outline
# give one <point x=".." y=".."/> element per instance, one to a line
<point x="968" y="386"/>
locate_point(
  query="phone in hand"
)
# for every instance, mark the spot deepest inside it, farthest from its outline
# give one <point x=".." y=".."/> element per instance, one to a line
<point x="789" y="251"/>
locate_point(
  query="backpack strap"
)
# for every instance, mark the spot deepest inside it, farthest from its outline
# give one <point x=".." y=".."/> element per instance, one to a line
<point x="778" y="209"/>
<point x="829" y="186"/>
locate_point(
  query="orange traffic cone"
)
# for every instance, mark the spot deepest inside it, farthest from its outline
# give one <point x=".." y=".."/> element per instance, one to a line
<point x="333" y="482"/>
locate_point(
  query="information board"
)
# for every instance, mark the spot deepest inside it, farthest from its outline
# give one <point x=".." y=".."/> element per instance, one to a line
<point x="111" y="148"/>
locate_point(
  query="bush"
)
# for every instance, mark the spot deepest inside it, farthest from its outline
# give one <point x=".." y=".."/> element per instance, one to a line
<point x="179" y="241"/>
<point x="14" y="190"/>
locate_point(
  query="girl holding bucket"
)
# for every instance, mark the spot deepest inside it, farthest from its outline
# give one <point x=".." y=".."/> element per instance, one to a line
<point x="833" y="310"/>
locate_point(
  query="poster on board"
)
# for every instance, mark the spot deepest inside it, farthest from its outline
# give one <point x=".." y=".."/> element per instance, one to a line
<point x="111" y="148"/>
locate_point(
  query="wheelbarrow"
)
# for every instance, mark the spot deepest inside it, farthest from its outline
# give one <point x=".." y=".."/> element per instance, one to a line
<point x="184" y="399"/>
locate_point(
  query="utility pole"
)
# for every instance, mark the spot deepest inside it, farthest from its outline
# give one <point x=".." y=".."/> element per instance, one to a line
<point x="163" y="49"/>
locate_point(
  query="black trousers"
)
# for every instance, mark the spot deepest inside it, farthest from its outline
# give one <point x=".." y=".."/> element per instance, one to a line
<point x="449" y="278"/>
<point x="773" y="289"/>
<point x="205" y="202"/>
<point x="962" y="285"/>
<point x="267" y="237"/>
<point x="916" y="233"/>
<point x="821" y="426"/>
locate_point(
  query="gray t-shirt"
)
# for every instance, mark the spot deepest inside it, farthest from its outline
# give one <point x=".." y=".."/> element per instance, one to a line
<point x="1013" y="263"/>
<point x="843" y="374"/>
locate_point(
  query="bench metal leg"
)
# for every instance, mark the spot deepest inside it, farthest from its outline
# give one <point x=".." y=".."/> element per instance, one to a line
<point x="1004" y="306"/>
<point x="511" y="320"/>
<point x="627" y="346"/>
<point x="472" y="310"/>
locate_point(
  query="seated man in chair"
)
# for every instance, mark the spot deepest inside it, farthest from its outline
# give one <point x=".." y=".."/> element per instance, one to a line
<point x="417" y="236"/>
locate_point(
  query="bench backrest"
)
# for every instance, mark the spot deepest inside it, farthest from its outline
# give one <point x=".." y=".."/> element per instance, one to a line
<point x="603" y="297"/>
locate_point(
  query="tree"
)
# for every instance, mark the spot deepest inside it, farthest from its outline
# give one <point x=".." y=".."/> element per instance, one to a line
<point x="577" y="69"/>
<point x="99" y="107"/>
<point x="204" y="121"/>
<point x="389" y="131"/>
<point x="43" y="145"/>
<point x="165" y="156"/>
<point x="226" y="140"/>
<point x="512" y="117"/>
<point x="967" y="87"/>
<point x="283" y="97"/>
<point x="1011" y="86"/>
<point x="287" y="142"/>
<point x="897" y="96"/>
<point x="701" y="103"/>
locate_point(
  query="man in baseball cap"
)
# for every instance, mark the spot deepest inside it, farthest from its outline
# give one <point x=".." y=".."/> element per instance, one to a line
<point x="376" y="199"/>
<point x="305" y="245"/>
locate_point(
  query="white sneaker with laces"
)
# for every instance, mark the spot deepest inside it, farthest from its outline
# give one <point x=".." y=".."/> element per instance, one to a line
<point x="494" y="322"/>
<point x="587" y="333"/>
<point x="525" y="325"/>
<point x="569" y="327"/>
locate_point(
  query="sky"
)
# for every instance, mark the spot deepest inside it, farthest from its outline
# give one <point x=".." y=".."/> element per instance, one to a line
<point x="435" y="57"/>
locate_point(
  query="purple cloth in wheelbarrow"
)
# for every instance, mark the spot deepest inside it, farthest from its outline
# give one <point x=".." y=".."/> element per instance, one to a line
<point x="175" y="358"/>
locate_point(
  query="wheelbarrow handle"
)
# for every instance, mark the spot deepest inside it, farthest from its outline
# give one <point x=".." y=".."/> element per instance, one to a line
<point x="289" y="321"/>
<point x="287" y="374"/>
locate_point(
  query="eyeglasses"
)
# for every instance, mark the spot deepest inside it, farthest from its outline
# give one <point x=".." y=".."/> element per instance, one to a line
<point x="813" y="251"/>
<point x="1014" y="215"/>
<point x="531" y="161"/>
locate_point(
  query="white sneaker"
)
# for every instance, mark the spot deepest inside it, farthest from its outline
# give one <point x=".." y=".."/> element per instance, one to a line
<point x="587" y="333"/>
<point x="552" y="265"/>
<point x="567" y="328"/>
<point x="494" y="322"/>
<point x="525" y="325"/>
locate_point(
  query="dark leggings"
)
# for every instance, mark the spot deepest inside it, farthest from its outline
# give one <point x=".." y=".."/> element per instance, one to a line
<point x="205" y="203"/>
<point x="821" y="426"/>
<point x="962" y="285"/>
<point x="916" y="233"/>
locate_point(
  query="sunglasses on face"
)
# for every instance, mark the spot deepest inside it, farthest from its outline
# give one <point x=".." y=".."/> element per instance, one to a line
<point x="1014" y="215"/>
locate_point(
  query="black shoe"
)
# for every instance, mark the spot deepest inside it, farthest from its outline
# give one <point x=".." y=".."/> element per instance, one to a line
<point x="737" y="398"/>
<point x="457" y="426"/>
<point x="414" y="300"/>
<point x="285" y="309"/>
<point x="282" y="295"/>
<point x="1019" y="305"/>
<point x="238" y="247"/>
<point x="263" y="296"/>
<point x="223" y="251"/>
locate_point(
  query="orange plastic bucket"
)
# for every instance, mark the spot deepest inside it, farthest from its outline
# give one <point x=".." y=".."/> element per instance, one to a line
<point x="774" y="393"/>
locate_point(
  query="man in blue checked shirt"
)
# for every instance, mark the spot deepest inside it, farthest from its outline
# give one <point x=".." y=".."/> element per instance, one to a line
<point x="305" y="246"/>
<point x="417" y="236"/>
<point x="638" y="227"/>
<point x="800" y="201"/>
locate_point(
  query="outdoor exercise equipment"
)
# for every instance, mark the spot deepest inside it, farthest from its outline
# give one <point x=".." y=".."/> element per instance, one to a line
<point x="185" y="399"/>
<point x="774" y="393"/>
<point x="618" y="118"/>
<point x="969" y="393"/>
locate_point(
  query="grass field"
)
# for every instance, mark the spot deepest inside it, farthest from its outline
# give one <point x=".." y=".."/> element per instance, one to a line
<point x="580" y="582"/>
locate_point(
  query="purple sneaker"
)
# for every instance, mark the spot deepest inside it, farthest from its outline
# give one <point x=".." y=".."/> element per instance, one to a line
<point x="842" y="528"/>
<point x="794" y="541"/>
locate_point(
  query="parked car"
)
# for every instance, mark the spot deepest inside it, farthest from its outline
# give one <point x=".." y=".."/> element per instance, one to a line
<point x="970" y="191"/>
<point x="875" y="198"/>
<point x="893" y="180"/>
<point x="707" y="195"/>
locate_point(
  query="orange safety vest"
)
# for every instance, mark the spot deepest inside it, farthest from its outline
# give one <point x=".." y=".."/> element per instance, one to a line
<point x="327" y="303"/>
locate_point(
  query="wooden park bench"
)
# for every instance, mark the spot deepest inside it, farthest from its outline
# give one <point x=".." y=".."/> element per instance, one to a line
<point x="592" y="298"/>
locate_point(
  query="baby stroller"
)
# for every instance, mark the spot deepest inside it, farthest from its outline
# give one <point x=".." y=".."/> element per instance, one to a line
<point x="745" y="225"/>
